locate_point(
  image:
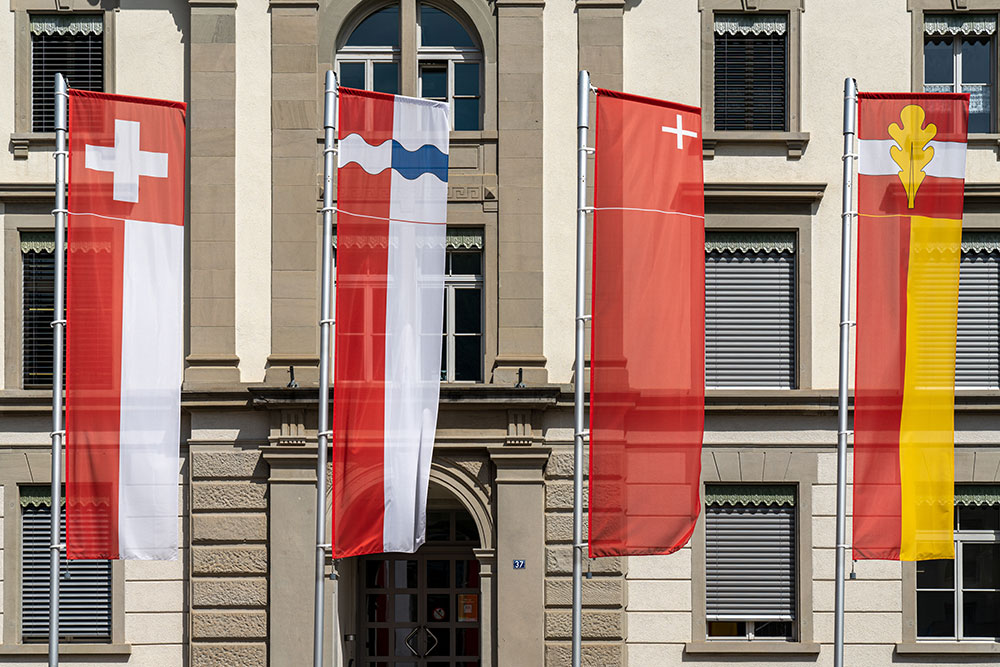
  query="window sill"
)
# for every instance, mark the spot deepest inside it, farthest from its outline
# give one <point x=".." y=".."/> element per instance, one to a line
<point x="22" y="142"/>
<point x="89" y="650"/>
<point x="986" y="140"/>
<point x="794" y="142"/>
<point x="948" y="648"/>
<point x="730" y="647"/>
<point x="471" y="136"/>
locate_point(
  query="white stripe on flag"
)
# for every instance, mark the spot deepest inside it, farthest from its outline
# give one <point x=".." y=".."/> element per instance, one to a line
<point x="874" y="158"/>
<point x="413" y="324"/>
<point x="151" y="374"/>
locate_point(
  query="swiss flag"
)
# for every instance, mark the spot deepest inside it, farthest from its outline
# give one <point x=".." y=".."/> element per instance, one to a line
<point x="648" y="337"/>
<point x="124" y="331"/>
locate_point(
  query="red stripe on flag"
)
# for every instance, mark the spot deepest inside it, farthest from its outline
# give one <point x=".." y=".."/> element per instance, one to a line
<point x="359" y="376"/>
<point x="648" y="336"/>
<point x="883" y="256"/>
<point x="93" y="384"/>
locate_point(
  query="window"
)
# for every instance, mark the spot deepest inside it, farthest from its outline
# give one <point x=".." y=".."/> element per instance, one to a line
<point x="449" y="62"/>
<point x="751" y="72"/>
<point x="959" y="57"/>
<point x="750" y="562"/>
<point x="84" y="585"/>
<point x="70" y="44"/>
<point x="750" y="309"/>
<point x="37" y="301"/>
<point x="462" y="347"/>
<point x="960" y="599"/>
<point x="977" y="354"/>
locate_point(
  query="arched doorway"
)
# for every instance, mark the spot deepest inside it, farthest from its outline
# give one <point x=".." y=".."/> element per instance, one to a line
<point x="424" y="609"/>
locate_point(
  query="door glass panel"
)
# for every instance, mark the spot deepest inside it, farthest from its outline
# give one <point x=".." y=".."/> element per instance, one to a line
<point x="406" y="574"/>
<point x="438" y="526"/>
<point x="438" y="572"/>
<point x="377" y="607"/>
<point x="443" y="636"/>
<point x="402" y="649"/>
<point x="467" y="573"/>
<point x="467" y="641"/>
<point x="375" y="573"/>
<point x="465" y="528"/>
<point x="406" y="608"/>
<point x="378" y="641"/>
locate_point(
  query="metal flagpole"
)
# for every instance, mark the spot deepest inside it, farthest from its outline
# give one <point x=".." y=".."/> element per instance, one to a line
<point x="58" y="327"/>
<point x="325" y="325"/>
<point x="850" y="126"/>
<point x="582" y="128"/>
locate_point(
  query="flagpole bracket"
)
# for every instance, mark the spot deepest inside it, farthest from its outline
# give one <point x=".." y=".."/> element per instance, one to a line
<point x="846" y="433"/>
<point x="326" y="209"/>
<point x="589" y="150"/>
<point x="58" y="547"/>
<point x="327" y="321"/>
<point x="586" y="209"/>
<point x="328" y="434"/>
<point x="583" y="318"/>
<point x="582" y="434"/>
<point x="849" y="323"/>
<point x="57" y="154"/>
<point x="61" y="434"/>
<point x="855" y="156"/>
<point x="53" y="323"/>
<point x="57" y="211"/>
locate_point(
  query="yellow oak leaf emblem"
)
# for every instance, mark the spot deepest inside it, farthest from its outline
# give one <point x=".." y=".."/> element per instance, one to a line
<point x="912" y="153"/>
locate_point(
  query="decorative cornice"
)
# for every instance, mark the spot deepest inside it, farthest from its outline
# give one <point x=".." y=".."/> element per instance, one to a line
<point x="789" y="193"/>
<point x="600" y="4"/>
<point x="294" y="4"/>
<point x="213" y="3"/>
<point x="519" y="3"/>
<point x="27" y="192"/>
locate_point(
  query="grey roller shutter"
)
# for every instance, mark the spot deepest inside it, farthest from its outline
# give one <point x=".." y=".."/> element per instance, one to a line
<point x="84" y="586"/>
<point x="37" y="301"/>
<point x="750" y="563"/>
<point x="977" y="355"/>
<point x="751" y="72"/>
<point x="750" y="310"/>
<point x="72" y="45"/>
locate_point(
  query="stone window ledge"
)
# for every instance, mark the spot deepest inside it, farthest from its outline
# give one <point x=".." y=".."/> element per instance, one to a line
<point x="948" y="648"/>
<point x="726" y="647"/>
<point x="21" y="142"/>
<point x="89" y="650"/>
<point x="985" y="140"/>
<point x="794" y="142"/>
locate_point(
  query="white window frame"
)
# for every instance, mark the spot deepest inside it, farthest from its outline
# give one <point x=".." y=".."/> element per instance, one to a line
<point x="453" y="283"/>
<point x="956" y="72"/>
<point x="961" y="539"/>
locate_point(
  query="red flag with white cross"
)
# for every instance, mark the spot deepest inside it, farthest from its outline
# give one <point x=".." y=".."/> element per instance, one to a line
<point x="647" y="400"/>
<point x="124" y="325"/>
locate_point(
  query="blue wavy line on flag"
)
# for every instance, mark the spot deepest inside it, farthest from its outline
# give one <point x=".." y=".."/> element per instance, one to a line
<point x="411" y="165"/>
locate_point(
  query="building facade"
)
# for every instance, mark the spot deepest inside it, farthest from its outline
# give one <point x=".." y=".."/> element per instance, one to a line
<point x="756" y="582"/>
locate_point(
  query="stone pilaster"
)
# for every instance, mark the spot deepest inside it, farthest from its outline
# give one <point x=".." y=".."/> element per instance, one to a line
<point x="520" y="594"/>
<point x="212" y="207"/>
<point x="295" y="165"/>
<point x="229" y="562"/>
<point x="520" y="172"/>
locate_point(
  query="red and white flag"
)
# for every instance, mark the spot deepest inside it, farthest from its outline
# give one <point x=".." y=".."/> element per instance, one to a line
<point x="647" y="400"/>
<point x="124" y="331"/>
<point x="391" y="213"/>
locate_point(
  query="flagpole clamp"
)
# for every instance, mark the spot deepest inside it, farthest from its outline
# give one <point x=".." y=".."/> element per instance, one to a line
<point x="61" y="434"/>
<point x="845" y="433"/>
<point x="328" y="434"/>
<point x="331" y="209"/>
<point x="856" y="156"/>
<point x="852" y="214"/>
<point x="57" y="211"/>
<point x="333" y="150"/>
<point x="589" y="150"/>
<point x="583" y="318"/>
<point x="53" y="323"/>
<point x="58" y="547"/>
<point x="327" y="321"/>
<point x="56" y="154"/>
<point x="586" y="209"/>
<point x="582" y="434"/>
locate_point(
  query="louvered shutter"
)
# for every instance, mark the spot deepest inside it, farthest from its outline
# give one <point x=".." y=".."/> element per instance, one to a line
<point x="71" y="45"/>
<point x="751" y="72"/>
<point x="84" y="585"/>
<point x="750" y="562"/>
<point x="977" y="355"/>
<point x="750" y="310"/>
<point x="37" y="302"/>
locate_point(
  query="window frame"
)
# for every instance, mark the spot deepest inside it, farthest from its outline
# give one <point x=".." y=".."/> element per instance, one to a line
<point x="452" y="283"/>
<point x="23" y="138"/>
<point x="34" y="474"/>
<point x="747" y="466"/>
<point x="956" y="73"/>
<point x="918" y="9"/>
<point x="409" y="63"/>
<point x="969" y="235"/>
<point x="793" y="139"/>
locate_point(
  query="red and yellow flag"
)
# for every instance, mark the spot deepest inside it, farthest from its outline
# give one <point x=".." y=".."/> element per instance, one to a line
<point x="910" y="195"/>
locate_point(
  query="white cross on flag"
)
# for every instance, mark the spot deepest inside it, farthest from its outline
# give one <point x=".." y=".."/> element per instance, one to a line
<point x="124" y="325"/>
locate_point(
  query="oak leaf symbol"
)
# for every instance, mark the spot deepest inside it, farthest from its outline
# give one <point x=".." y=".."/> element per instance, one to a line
<point x="912" y="153"/>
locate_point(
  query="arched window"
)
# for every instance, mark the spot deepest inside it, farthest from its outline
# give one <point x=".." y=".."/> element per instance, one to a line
<point x="448" y="59"/>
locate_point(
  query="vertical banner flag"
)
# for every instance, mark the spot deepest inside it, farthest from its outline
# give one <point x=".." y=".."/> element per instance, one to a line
<point x="647" y="396"/>
<point x="124" y="332"/>
<point x="911" y="177"/>
<point x="392" y="186"/>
